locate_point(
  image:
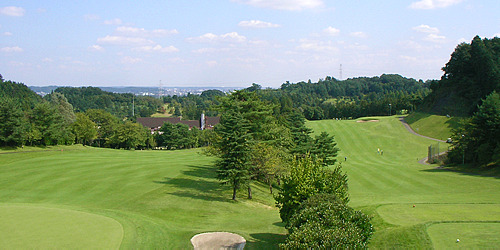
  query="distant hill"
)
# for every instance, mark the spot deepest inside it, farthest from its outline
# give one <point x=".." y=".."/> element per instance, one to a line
<point x="472" y="73"/>
<point x="19" y="93"/>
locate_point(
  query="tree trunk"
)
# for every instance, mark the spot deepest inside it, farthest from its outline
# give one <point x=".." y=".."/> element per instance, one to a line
<point x="249" y="192"/>
<point x="234" y="192"/>
<point x="271" y="187"/>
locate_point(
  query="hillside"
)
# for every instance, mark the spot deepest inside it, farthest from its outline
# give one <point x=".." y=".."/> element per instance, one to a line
<point x="472" y="73"/>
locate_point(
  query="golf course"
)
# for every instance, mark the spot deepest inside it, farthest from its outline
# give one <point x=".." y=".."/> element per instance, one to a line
<point x="96" y="198"/>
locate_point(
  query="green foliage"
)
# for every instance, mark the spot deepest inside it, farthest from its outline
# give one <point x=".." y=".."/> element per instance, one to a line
<point x="48" y="126"/>
<point x="476" y="141"/>
<point x="307" y="178"/>
<point x="472" y="73"/>
<point x="234" y="148"/>
<point x="106" y="124"/>
<point x="85" y="130"/>
<point x="324" y="221"/>
<point x="20" y="94"/>
<point x="13" y="123"/>
<point x="177" y="136"/>
<point x="119" y="105"/>
<point x="129" y="135"/>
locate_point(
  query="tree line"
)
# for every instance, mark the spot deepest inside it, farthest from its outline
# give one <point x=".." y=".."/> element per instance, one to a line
<point x="28" y="119"/>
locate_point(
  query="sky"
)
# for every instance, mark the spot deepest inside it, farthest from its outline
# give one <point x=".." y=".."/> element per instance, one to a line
<point x="233" y="43"/>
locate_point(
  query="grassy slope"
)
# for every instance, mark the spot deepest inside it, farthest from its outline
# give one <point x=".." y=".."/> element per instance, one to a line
<point x="397" y="180"/>
<point x="435" y="126"/>
<point x="161" y="198"/>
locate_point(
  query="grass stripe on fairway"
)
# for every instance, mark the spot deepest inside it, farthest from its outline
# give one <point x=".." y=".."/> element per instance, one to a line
<point x="25" y="226"/>
<point x="161" y="198"/>
<point x="391" y="183"/>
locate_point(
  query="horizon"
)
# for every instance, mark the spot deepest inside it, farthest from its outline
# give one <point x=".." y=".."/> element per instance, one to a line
<point x="233" y="43"/>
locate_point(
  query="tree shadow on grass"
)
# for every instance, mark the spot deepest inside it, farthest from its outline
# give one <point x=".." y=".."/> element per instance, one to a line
<point x="265" y="241"/>
<point x="198" y="182"/>
<point x="493" y="172"/>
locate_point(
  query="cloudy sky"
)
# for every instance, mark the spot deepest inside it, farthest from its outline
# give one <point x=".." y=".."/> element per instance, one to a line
<point x="233" y="42"/>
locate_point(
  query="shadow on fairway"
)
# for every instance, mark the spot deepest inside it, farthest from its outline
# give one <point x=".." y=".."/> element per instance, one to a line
<point x="495" y="173"/>
<point x="198" y="182"/>
<point x="265" y="240"/>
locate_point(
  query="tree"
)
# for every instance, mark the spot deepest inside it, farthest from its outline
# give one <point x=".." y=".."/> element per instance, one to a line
<point x="245" y="119"/>
<point x="324" y="221"/>
<point x="48" y="126"/>
<point x="106" y="125"/>
<point x="12" y="126"/>
<point x="476" y="140"/>
<point x="234" y="150"/>
<point x="309" y="177"/>
<point x="129" y="135"/>
<point x="324" y="148"/>
<point x="85" y="130"/>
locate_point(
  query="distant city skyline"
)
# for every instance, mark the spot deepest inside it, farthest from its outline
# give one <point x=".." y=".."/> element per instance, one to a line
<point x="233" y="43"/>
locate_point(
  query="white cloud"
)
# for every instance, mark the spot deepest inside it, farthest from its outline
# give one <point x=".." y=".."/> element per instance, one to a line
<point x="116" y="21"/>
<point x="7" y="33"/>
<point x="123" y="40"/>
<point x="435" y="38"/>
<point x="96" y="48"/>
<point x="11" y="49"/>
<point x="130" y="60"/>
<point x="12" y="11"/>
<point x="463" y="40"/>
<point x="48" y="60"/>
<point x="291" y="5"/>
<point x="426" y="29"/>
<point x="318" y="46"/>
<point x="157" y="48"/>
<point x="331" y="31"/>
<point x="496" y="35"/>
<point x="232" y="37"/>
<point x="433" y="4"/>
<point x="257" y="24"/>
<point x="132" y="31"/>
<point x="358" y="34"/>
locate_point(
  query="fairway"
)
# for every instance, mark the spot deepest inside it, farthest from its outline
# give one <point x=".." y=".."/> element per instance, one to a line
<point x="388" y="185"/>
<point x="160" y="199"/>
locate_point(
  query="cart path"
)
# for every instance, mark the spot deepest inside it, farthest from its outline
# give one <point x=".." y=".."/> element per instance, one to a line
<point x="407" y="126"/>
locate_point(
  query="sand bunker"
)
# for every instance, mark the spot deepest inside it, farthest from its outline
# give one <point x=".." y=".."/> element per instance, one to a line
<point x="218" y="240"/>
<point x="367" y="121"/>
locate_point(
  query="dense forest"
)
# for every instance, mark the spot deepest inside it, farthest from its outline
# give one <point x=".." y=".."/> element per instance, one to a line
<point x="471" y="74"/>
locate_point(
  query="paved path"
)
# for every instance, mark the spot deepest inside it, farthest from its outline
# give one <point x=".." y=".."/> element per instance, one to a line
<point x="407" y="126"/>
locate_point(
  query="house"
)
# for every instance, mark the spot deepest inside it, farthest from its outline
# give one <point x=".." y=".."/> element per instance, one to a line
<point x="155" y="123"/>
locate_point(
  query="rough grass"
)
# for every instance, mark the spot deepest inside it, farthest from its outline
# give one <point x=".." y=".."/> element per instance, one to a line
<point x="388" y="185"/>
<point x="435" y="126"/>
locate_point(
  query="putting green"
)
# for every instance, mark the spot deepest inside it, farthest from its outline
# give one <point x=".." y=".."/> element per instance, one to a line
<point x="36" y="227"/>
<point x="471" y="235"/>
<point x="406" y="214"/>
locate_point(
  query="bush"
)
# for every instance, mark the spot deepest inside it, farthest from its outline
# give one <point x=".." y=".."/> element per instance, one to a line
<point x="325" y="221"/>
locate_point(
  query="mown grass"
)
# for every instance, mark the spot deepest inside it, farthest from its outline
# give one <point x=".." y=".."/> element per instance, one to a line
<point x="388" y="185"/>
<point x="161" y="198"/>
<point x="435" y="126"/>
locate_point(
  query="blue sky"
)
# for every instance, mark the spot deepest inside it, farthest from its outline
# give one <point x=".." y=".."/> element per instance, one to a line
<point x="233" y="42"/>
